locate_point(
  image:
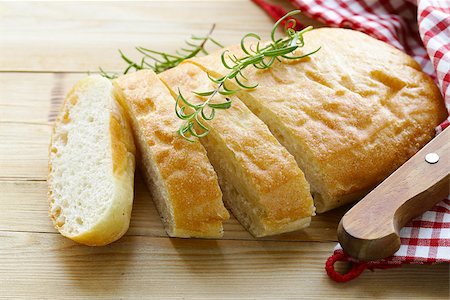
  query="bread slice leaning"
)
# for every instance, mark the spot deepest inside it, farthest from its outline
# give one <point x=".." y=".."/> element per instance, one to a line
<point x="91" y="165"/>
<point x="181" y="180"/>
<point x="261" y="182"/>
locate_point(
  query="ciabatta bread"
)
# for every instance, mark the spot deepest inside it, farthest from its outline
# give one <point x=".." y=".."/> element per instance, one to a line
<point x="180" y="178"/>
<point x="261" y="182"/>
<point x="350" y="114"/>
<point x="91" y="165"/>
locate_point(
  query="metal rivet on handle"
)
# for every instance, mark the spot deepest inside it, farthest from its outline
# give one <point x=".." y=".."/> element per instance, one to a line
<point x="432" y="158"/>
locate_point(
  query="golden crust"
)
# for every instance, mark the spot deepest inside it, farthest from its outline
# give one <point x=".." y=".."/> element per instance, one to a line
<point x="188" y="178"/>
<point x="122" y="142"/>
<point x="351" y="113"/>
<point x="263" y="170"/>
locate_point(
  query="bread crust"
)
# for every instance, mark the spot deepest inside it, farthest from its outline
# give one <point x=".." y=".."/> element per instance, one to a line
<point x="274" y="195"/>
<point x="351" y="113"/>
<point x="180" y="178"/>
<point x="114" y="223"/>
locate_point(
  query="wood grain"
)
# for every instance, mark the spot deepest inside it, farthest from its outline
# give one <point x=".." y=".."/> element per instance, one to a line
<point x="33" y="97"/>
<point x="49" y="266"/>
<point x="23" y="150"/>
<point x="86" y="36"/>
<point x="46" y="48"/>
<point x="24" y="208"/>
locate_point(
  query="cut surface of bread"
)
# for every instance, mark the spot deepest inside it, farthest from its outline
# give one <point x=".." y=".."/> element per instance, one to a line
<point x="179" y="175"/>
<point x="350" y="114"/>
<point x="261" y="182"/>
<point x="91" y="165"/>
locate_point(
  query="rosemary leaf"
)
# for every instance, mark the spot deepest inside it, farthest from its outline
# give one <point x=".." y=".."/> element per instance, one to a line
<point x="260" y="58"/>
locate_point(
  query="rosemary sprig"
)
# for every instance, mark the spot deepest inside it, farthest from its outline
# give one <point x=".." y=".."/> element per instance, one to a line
<point x="260" y="57"/>
<point x="160" y="61"/>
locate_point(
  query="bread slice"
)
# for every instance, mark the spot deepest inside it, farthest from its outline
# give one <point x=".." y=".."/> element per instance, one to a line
<point x="261" y="182"/>
<point x="350" y="114"/>
<point x="181" y="180"/>
<point x="91" y="165"/>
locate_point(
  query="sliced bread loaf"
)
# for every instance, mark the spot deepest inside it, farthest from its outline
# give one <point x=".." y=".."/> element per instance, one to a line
<point x="350" y="114"/>
<point x="91" y="165"/>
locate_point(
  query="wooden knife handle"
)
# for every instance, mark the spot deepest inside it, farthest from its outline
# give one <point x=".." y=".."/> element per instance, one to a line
<point x="370" y="230"/>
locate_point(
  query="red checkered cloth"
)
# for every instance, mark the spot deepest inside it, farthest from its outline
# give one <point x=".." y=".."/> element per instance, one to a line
<point x="423" y="31"/>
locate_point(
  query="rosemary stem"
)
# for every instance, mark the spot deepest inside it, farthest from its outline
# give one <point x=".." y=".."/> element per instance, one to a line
<point x="261" y="58"/>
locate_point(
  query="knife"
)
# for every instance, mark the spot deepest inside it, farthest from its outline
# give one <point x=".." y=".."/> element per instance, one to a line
<point x="370" y="230"/>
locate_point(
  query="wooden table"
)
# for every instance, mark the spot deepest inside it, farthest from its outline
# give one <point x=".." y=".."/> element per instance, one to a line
<point x="44" y="49"/>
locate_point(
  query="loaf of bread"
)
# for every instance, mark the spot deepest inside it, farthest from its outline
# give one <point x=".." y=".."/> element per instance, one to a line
<point x="180" y="178"/>
<point x="261" y="182"/>
<point x="91" y="165"/>
<point x="350" y="114"/>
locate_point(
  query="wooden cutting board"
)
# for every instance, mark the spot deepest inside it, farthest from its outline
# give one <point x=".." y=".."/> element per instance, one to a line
<point x="44" y="49"/>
